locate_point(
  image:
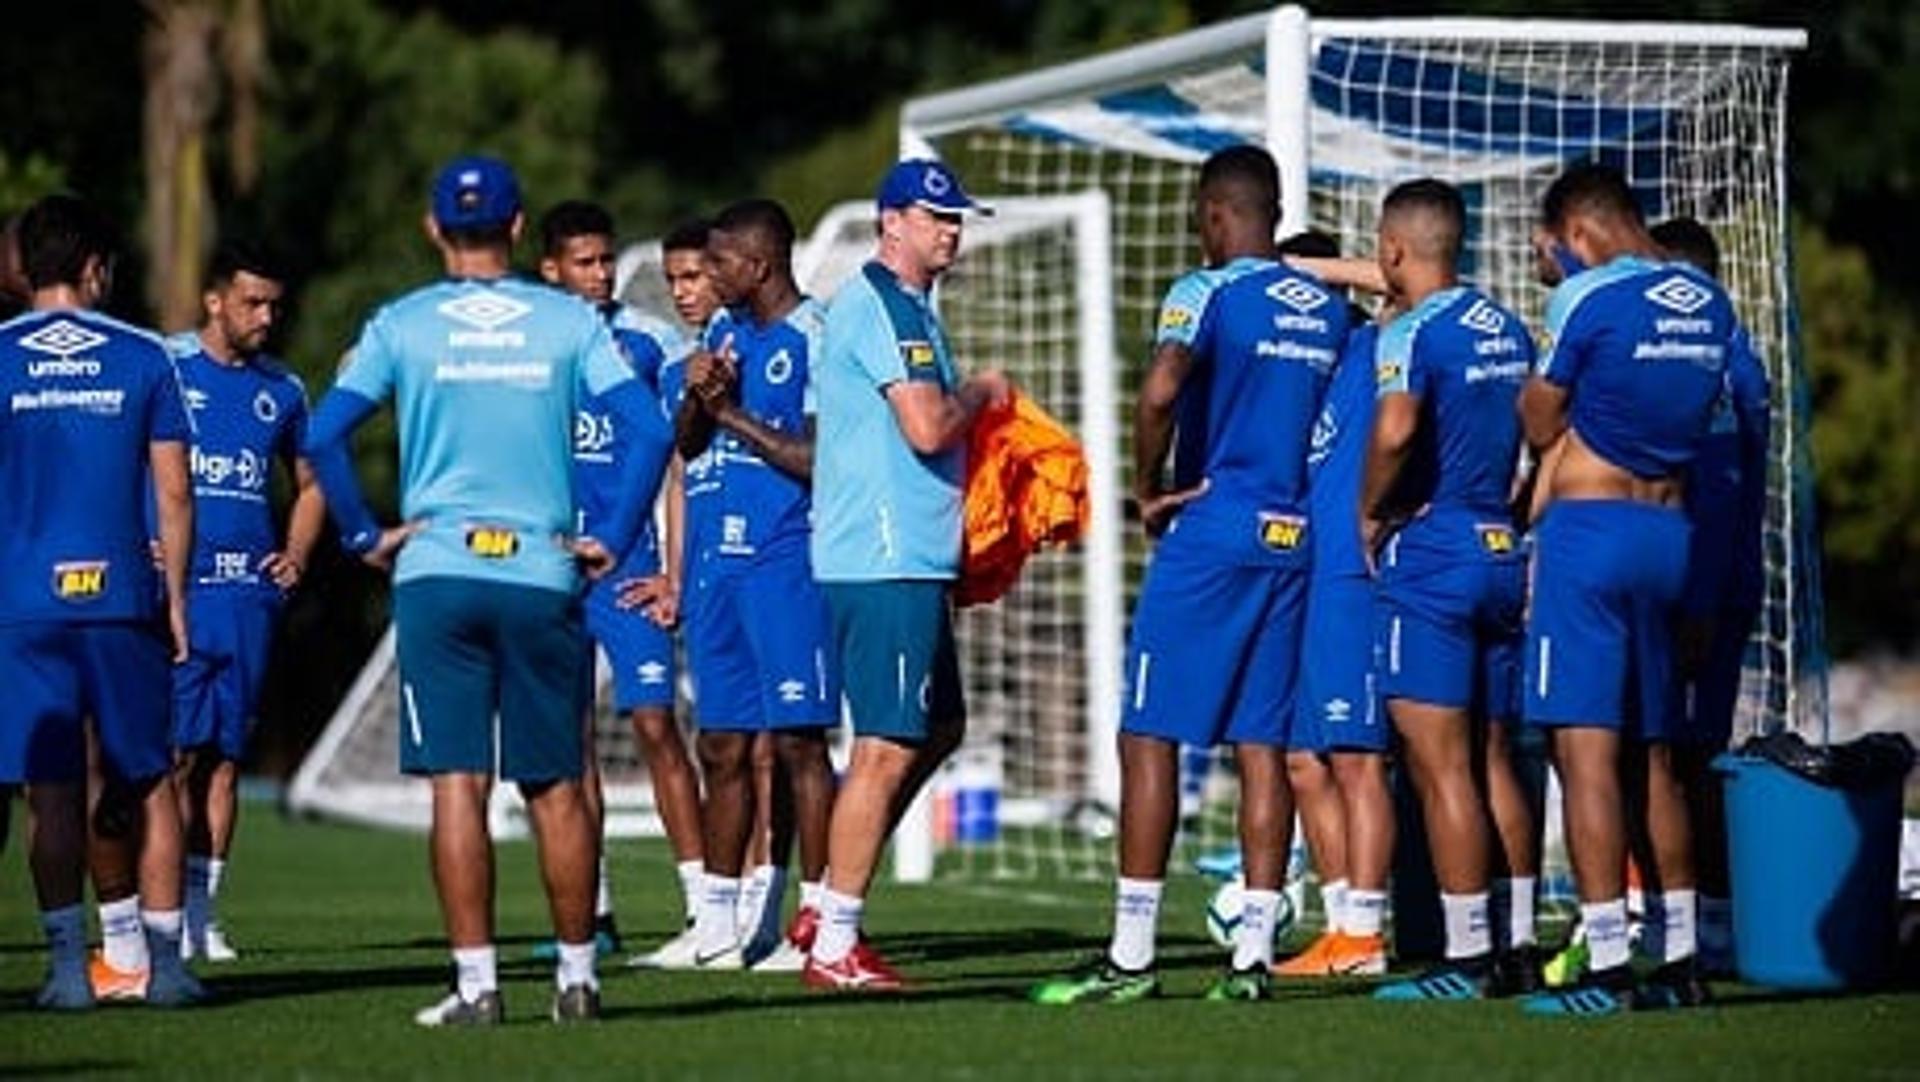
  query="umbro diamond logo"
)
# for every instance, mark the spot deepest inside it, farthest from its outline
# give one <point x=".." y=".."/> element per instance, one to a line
<point x="484" y="310"/>
<point x="1680" y="294"/>
<point x="1297" y="295"/>
<point x="63" y="339"/>
<point x="1485" y="318"/>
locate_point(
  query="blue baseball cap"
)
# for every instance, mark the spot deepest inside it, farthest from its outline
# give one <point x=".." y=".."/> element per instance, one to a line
<point x="474" y="191"/>
<point x="924" y="182"/>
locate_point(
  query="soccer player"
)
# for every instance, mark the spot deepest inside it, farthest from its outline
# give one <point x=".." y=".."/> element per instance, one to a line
<point x="486" y="371"/>
<point x="1636" y="359"/>
<point x="1450" y="577"/>
<point x="889" y="485"/>
<point x="249" y="411"/>
<point x="1726" y="500"/>
<point x="758" y="636"/>
<point x="93" y="409"/>
<point x="577" y="245"/>
<point x="1243" y="353"/>
<point x="1339" y="774"/>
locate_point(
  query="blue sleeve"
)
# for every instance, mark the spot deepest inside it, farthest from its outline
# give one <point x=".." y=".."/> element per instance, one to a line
<point x="371" y="364"/>
<point x="644" y="354"/>
<point x="862" y="330"/>
<point x="1568" y="326"/>
<point x="293" y="430"/>
<point x="167" y="417"/>
<point x="602" y="364"/>
<point x="648" y="442"/>
<point x="329" y="449"/>
<point x="1180" y="312"/>
<point x="673" y="387"/>
<point x="1393" y="356"/>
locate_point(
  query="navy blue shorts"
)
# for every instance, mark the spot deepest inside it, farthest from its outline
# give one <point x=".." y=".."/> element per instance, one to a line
<point x="639" y="651"/>
<point x="760" y="645"/>
<point x="897" y="653"/>
<point x="1448" y="612"/>
<point x="1703" y="707"/>
<point x="56" y="676"/>
<point x="483" y="658"/>
<point x="1214" y="651"/>
<point x="1338" y="709"/>
<point x="1607" y="578"/>
<point x="217" y="690"/>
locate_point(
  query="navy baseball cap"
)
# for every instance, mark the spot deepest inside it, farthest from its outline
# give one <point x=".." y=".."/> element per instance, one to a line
<point x="924" y="182"/>
<point x="474" y="191"/>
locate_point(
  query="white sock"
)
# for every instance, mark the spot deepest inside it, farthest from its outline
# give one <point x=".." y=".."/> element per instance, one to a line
<point x="718" y="925"/>
<point x="1136" y="915"/>
<point x="474" y="969"/>
<point x="1671" y="924"/>
<point x="66" y="929"/>
<point x="1716" y="929"/>
<point x="1365" y="912"/>
<point x="123" y="939"/>
<point x="810" y="896"/>
<point x="1253" y="940"/>
<point x="603" y="893"/>
<point x="1334" y="899"/>
<point x="163" y="928"/>
<point x="1469" y="935"/>
<point x="576" y="966"/>
<point x="693" y="876"/>
<point x="1513" y="910"/>
<point x="839" y="926"/>
<point x="1606" y="925"/>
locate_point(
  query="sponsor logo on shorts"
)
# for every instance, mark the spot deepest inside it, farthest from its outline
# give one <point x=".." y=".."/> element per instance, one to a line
<point x="492" y="542"/>
<point x="1339" y="711"/>
<point x="733" y="536"/>
<point x="1496" y="538"/>
<point x="792" y="691"/>
<point x="1282" y="533"/>
<point x="652" y="672"/>
<point x="80" y="581"/>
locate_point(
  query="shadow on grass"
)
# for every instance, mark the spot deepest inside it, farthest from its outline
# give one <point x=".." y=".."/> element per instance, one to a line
<point x="240" y="989"/>
<point x="70" y="1067"/>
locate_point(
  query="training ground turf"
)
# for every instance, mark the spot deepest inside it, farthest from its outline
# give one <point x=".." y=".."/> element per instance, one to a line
<point x="340" y="939"/>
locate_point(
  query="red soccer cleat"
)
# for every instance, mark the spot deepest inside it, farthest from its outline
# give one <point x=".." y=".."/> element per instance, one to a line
<point x="862" y="970"/>
<point x="806" y="925"/>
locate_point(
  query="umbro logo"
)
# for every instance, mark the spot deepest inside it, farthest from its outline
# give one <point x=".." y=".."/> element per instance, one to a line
<point x="1297" y="295"/>
<point x="1484" y="317"/>
<point x="485" y="310"/>
<point x="792" y="691"/>
<point x="63" y="339"/>
<point x="1680" y="294"/>
<point x="652" y="672"/>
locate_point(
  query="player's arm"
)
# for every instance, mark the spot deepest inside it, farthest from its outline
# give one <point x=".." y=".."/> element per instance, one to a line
<point x="1348" y="273"/>
<point x="173" y="508"/>
<point x="1396" y="417"/>
<point x="933" y="420"/>
<point x="790" y="453"/>
<point x="329" y="450"/>
<point x="710" y="377"/>
<point x="1153" y="425"/>
<point x="304" y="520"/>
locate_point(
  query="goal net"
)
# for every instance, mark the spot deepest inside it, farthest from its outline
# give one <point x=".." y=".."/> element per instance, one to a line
<point x="1695" y="116"/>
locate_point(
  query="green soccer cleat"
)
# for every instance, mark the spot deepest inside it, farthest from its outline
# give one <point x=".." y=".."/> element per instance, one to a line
<point x="1099" y="981"/>
<point x="1568" y="966"/>
<point x="1246" y="985"/>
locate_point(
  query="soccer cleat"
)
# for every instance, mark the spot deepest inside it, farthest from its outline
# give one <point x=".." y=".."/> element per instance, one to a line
<point x="212" y="946"/>
<point x="173" y="986"/>
<point x="1337" y="954"/>
<point x="675" y="953"/>
<point x="1221" y="864"/>
<point x="115" y="984"/>
<point x="1568" y="966"/>
<point x="1452" y="982"/>
<point x="1098" y="981"/>
<point x="1594" y="995"/>
<point x="576" y="1003"/>
<point x="1672" y="986"/>
<point x="726" y="960"/>
<point x="1248" y="985"/>
<point x="1315" y="961"/>
<point x="1517" y="972"/>
<point x="485" y="1009"/>
<point x="65" y="990"/>
<point x="862" y="970"/>
<point x="784" y="958"/>
<point x="805" y="926"/>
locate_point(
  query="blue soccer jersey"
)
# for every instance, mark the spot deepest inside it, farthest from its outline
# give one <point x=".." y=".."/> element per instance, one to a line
<point x="86" y="395"/>
<point x="486" y="377"/>
<point x="1464" y="357"/>
<point x="1726" y="494"/>
<point x="605" y="451"/>
<point x="1339" y="457"/>
<point x="1263" y="349"/>
<point x="246" y="416"/>
<point x="1641" y="346"/>
<point x="881" y="509"/>
<point x="740" y="508"/>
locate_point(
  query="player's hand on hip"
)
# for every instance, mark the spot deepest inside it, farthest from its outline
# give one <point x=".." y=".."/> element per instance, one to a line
<point x="284" y="570"/>
<point x="1158" y="508"/>
<point x="392" y="540"/>
<point x="594" y="559"/>
<point x="655" y="595"/>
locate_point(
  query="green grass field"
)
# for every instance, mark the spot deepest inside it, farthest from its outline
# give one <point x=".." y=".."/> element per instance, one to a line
<point x="341" y="944"/>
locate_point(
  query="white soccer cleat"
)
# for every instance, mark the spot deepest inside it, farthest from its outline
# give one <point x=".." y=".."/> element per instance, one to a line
<point x="784" y="958"/>
<point x="675" y="953"/>
<point x="217" y="949"/>
<point x="727" y="960"/>
<point x="65" y="990"/>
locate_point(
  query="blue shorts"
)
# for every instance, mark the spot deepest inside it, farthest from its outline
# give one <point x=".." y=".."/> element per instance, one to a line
<point x="1607" y="576"/>
<point x="761" y="650"/>
<point x="639" y="651"/>
<point x="1338" y="708"/>
<point x="1703" y="707"/>
<point x="895" y="641"/>
<point x="1214" y="652"/>
<point x="1448" y="611"/>
<point x="476" y="654"/>
<point x="57" y="676"/>
<point x="217" y="690"/>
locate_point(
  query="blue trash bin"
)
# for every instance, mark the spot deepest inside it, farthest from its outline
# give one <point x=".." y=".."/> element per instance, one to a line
<point x="1815" y="874"/>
